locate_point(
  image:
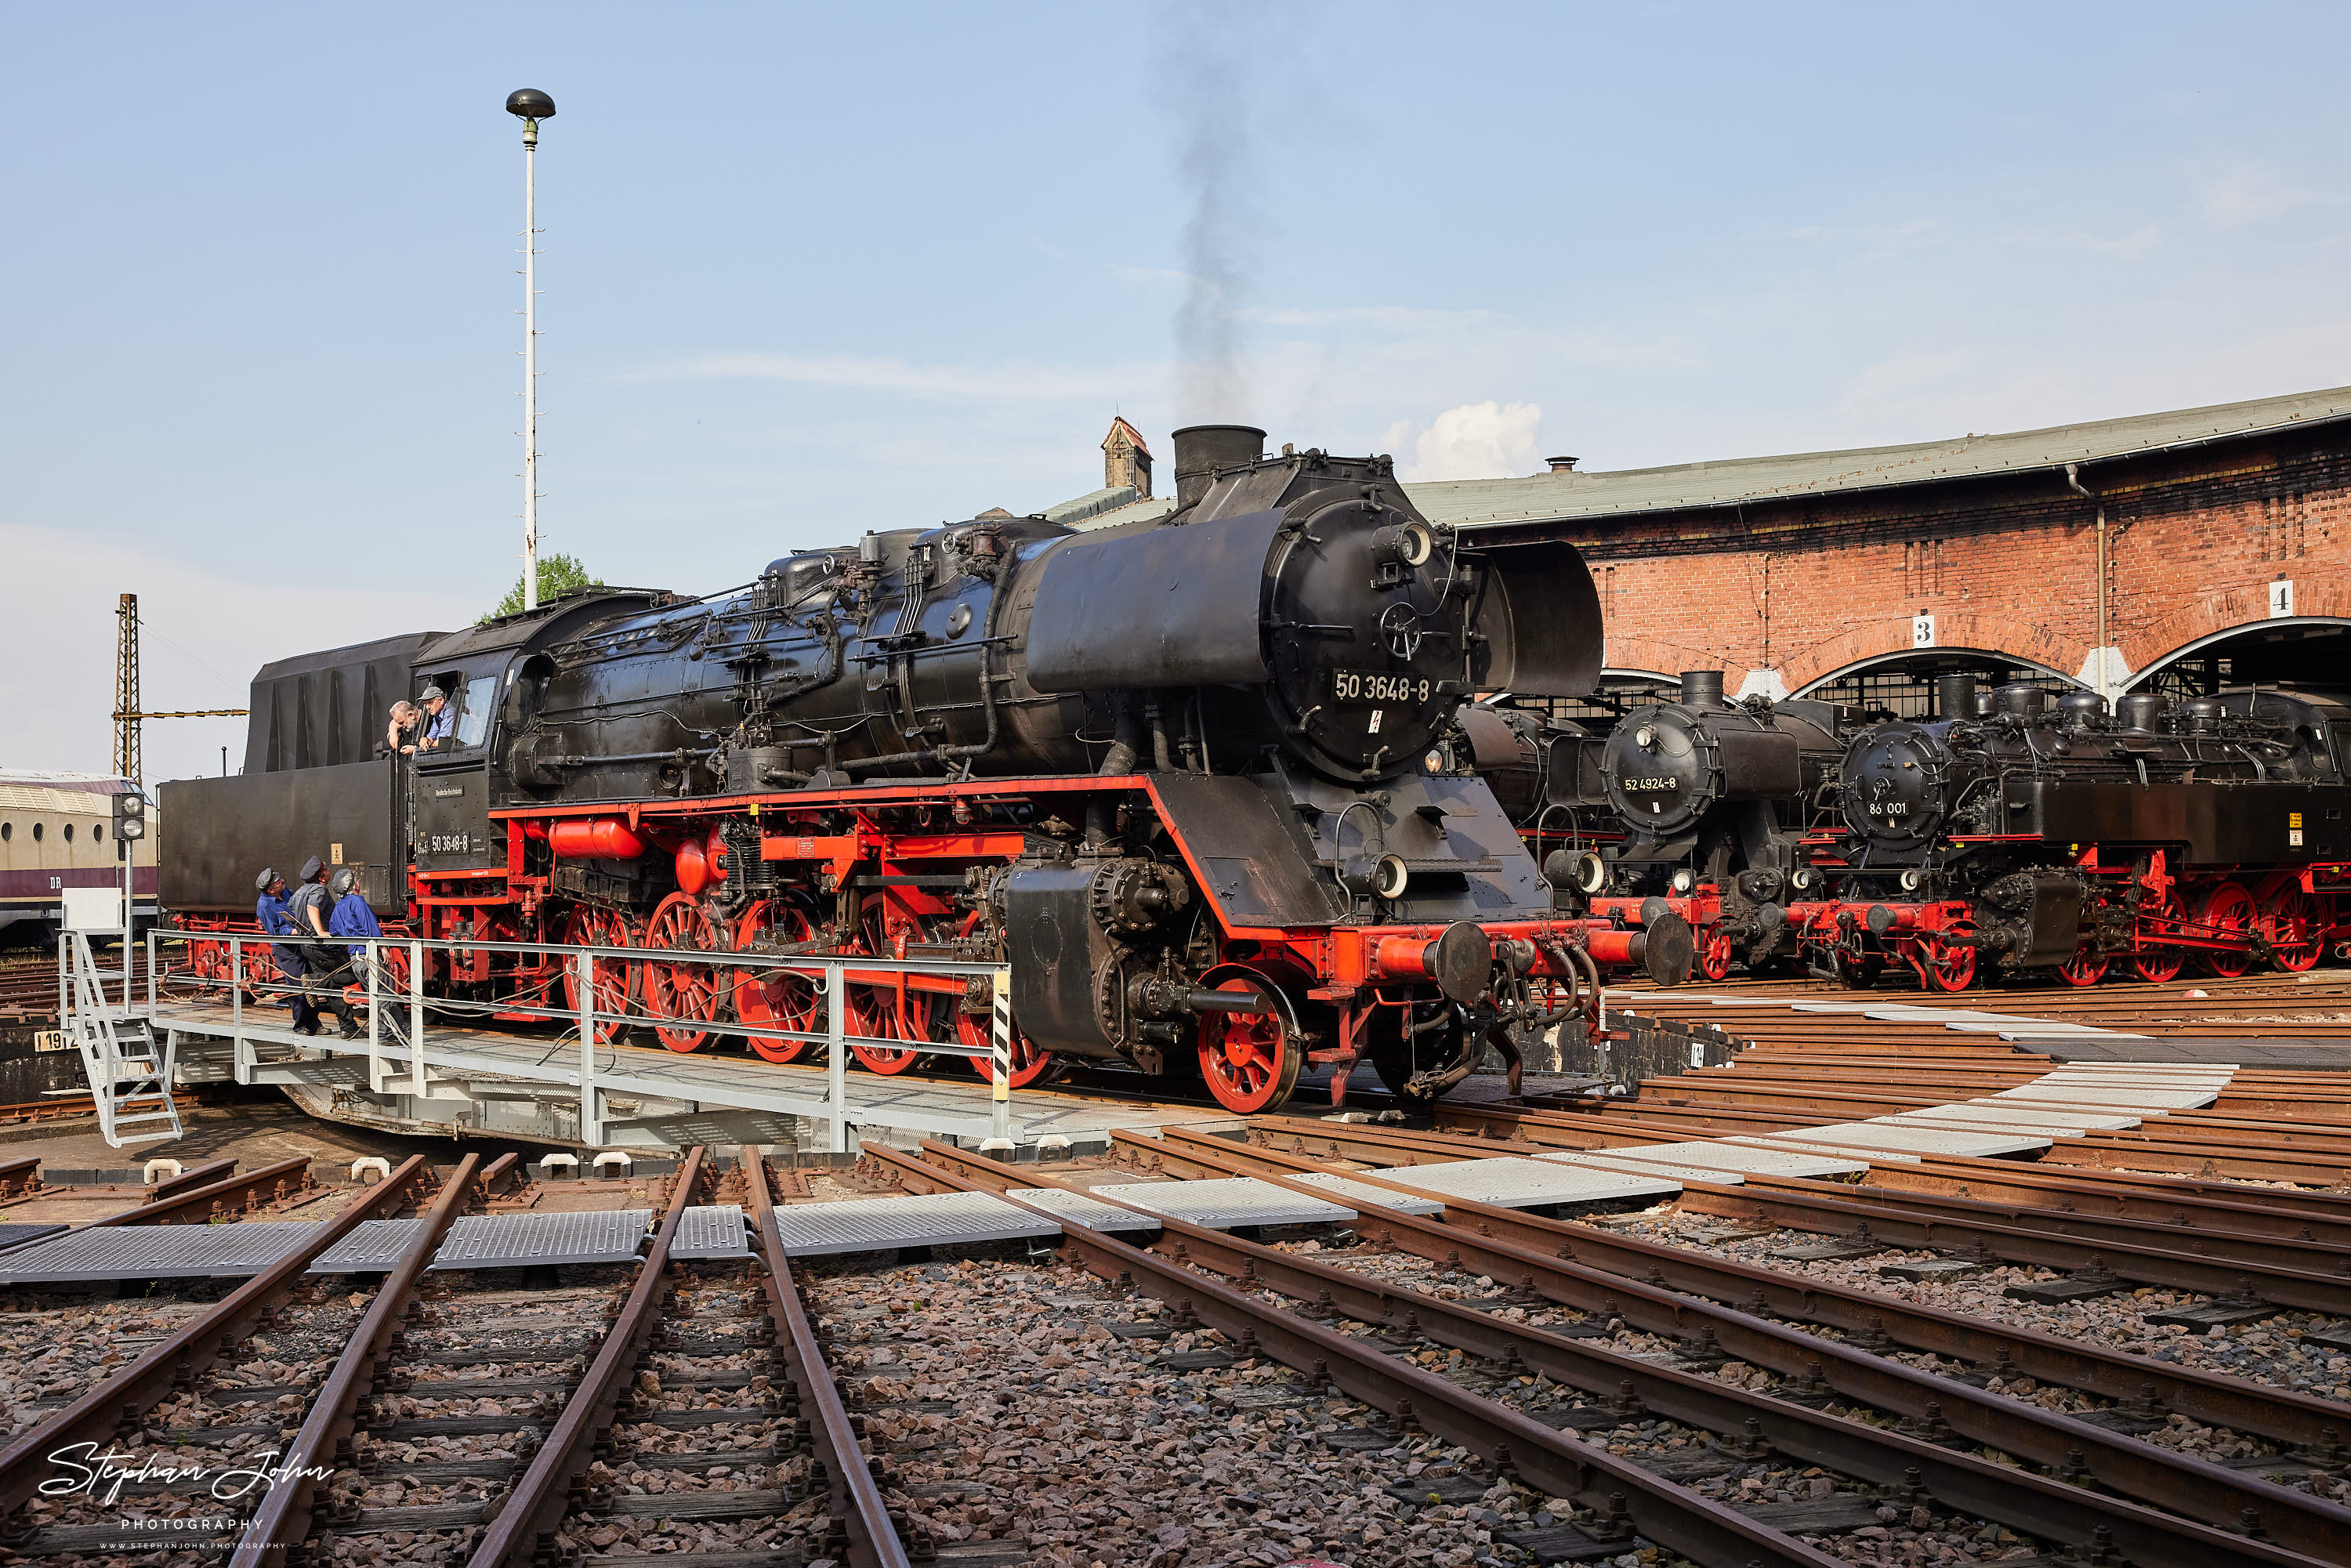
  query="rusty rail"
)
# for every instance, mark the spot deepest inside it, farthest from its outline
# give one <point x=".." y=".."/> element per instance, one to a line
<point x="873" y="1536"/>
<point x="285" y="1514"/>
<point x="2196" y="1487"/>
<point x="500" y="1177"/>
<point x="2310" y="1276"/>
<point x="187" y="1181"/>
<point x="2211" y="1397"/>
<point x="2049" y="1509"/>
<point x="525" y="1527"/>
<point x="222" y="1200"/>
<point x="1672" y="1516"/>
<point x="95" y="1417"/>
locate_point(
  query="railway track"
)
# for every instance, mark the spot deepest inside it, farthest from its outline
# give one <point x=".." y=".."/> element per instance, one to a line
<point x="1552" y="1408"/>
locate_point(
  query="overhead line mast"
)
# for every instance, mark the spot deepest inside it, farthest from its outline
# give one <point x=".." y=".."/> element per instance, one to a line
<point x="531" y="106"/>
<point x="127" y="715"/>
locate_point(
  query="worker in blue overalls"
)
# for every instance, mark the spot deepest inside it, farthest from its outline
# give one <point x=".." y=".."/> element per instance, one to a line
<point x="353" y="917"/>
<point x="270" y="914"/>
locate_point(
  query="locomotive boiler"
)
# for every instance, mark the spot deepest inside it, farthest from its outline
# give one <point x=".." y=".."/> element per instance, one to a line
<point x="1177" y="773"/>
<point x="2070" y="840"/>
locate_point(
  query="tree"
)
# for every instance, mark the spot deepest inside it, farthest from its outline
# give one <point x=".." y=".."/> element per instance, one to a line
<point x="557" y="574"/>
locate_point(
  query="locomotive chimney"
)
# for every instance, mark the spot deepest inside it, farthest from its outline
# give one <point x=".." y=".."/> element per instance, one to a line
<point x="1955" y="697"/>
<point x="1202" y="449"/>
<point x="1701" y="688"/>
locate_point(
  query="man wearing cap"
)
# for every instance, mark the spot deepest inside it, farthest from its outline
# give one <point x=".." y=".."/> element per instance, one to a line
<point x="353" y="917"/>
<point x="308" y="910"/>
<point x="270" y="914"/>
<point x="440" y="720"/>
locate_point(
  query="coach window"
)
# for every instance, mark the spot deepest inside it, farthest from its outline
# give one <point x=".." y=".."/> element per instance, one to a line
<point x="97" y="832"/>
<point x="68" y="832"/>
<point x="37" y="832"/>
<point x="7" y="832"/>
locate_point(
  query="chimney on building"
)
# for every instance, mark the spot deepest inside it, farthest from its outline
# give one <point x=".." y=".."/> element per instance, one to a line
<point x="1126" y="461"/>
<point x="1561" y="465"/>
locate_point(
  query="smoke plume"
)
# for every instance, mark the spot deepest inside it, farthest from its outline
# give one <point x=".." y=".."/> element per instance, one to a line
<point x="1212" y="58"/>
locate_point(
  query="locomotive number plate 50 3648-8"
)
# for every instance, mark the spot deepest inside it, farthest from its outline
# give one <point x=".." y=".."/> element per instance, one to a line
<point x="1379" y="686"/>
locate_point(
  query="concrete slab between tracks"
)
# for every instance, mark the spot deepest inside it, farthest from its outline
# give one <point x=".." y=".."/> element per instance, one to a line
<point x="1705" y="1160"/>
<point x="2266" y="1052"/>
<point x="678" y="1097"/>
<point x="1512" y="1183"/>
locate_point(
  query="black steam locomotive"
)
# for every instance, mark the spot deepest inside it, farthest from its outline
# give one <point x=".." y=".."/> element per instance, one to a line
<point x="1186" y="775"/>
<point x="2070" y="840"/>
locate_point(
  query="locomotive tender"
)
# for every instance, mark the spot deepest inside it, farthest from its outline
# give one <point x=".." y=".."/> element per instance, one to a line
<point x="1194" y="778"/>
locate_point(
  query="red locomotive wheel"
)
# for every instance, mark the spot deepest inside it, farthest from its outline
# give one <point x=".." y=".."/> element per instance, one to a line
<point x="2294" y="926"/>
<point x="688" y="993"/>
<point x="616" y="979"/>
<point x="1945" y="966"/>
<point x="876" y="1011"/>
<point x="208" y="964"/>
<point x="1248" y="1060"/>
<point x="1714" y="953"/>
<point x="1031" y="1064"/>
<point x="2227" y="908"/>
<point x="2087" y="967"/>
<point x="2158" y="963"/>
<point x="777" y="998"/>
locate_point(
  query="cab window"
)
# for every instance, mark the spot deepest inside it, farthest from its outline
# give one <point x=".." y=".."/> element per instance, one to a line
<point x="473" y="707"/>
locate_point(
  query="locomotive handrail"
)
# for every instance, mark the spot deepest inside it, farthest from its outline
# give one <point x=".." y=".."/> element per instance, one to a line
<point x="591" y="1014"/>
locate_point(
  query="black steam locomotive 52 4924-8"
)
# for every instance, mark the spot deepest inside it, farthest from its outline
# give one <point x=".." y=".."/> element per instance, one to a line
<point x="2211" y="828"/>
<point x="1195" y="778"/>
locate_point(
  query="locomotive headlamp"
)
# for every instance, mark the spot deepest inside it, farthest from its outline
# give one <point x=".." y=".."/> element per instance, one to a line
<point x="1910" y="881"/>
<point x="1803" y="878"/>
<point x="1409" y="544"/>
<point x="1591" y="871"/>
<point x="1434" y="762"/>
<point x="1684" y="879"/>
<point x="1391" y="876"/>
<point x="1646" y="737"/>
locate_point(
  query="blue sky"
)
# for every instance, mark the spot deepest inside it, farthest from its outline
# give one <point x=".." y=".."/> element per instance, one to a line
<point x="809" y="270"/>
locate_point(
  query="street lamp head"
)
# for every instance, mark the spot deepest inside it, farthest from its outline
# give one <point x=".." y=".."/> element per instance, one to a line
<point x="529" y="103"/>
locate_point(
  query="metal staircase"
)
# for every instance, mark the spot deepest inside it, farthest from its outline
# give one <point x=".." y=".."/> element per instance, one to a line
<point x="129" y="1077"/>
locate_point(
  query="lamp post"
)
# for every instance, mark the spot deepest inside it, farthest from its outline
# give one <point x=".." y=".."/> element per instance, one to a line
<point x="531" y="106"/>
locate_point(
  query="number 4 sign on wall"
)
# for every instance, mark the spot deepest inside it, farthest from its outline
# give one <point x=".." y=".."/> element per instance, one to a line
<point x="2282" y="598"/>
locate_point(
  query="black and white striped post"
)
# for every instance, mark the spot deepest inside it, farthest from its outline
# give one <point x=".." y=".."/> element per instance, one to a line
<point x="1000" y="1046"/>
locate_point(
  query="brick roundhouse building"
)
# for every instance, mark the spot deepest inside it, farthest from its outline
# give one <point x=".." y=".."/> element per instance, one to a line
<point x="1860" y="575"/>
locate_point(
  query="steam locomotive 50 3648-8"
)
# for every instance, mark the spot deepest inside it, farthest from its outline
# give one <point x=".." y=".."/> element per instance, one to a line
<point x="1196" y="780"/>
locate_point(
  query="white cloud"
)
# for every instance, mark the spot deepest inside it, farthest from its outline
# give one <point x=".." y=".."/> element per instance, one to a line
<point x="1477" y="441"/>
<point x="58" y="698"/>
<point x="2248" y="191"/>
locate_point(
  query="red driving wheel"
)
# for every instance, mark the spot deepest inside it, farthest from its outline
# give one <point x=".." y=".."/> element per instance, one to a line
<point x="686" y="993"/>
<point x="2296" y="929"/>
<point x="777" y="998"/>
<point x="616" y="979"/>
<point x="1249" y="1060"/>
<point x="2087" y="967"/>
<point x="2159" y="962"/>
<point x="895" y="1010"/>
<point x="2227" y="908"/>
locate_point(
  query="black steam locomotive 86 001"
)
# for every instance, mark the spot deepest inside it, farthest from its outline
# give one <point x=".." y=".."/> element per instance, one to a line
<point x="1186" y="775"/>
